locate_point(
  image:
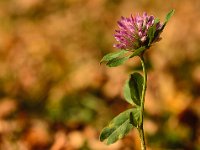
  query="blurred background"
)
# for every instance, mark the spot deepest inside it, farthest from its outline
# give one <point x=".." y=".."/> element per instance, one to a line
<point x="54" y="95"/>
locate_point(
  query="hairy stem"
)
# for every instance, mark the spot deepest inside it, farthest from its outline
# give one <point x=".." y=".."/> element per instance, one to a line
<point x="140" y="128"/>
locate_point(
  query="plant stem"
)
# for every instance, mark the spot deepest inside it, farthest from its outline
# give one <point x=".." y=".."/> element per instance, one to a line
<point x="142" y="138"/>
<point x="140" y="128"/>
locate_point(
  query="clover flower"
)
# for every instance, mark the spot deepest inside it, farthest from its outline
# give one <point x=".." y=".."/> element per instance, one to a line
<point x="134" y="37"/>
<point x="135" y="32"/>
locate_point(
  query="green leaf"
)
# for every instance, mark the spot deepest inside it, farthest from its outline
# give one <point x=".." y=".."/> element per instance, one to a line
<point x="117" y="61"/>
<point x="136" y="87"/>
<point x="151" y="33"/>
<point x="118" y="128"/>
<point x="111" y="56"/>
<point x="157" y="20"/>
<point x="133" y="89"/>
<point x="135" y="117"/>
<point x="138" y="51"/>
<point x="127" y="93"/>
<point x="169" y="15"/>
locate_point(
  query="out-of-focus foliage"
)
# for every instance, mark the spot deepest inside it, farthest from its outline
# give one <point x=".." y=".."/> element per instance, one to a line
<point x="55" y="95"/>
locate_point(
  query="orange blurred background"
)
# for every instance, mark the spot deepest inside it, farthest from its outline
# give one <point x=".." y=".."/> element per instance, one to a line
<point x="54" y="95"/>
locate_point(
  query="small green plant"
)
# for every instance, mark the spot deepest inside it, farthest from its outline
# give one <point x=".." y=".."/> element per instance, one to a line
<point x="135" y="35"/>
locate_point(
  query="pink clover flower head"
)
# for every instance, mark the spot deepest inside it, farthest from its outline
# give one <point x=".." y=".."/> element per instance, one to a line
<point x="133" y="32"/>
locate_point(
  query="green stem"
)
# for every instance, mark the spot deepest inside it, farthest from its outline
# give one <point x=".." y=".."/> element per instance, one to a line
<point x="140" y="128"/>
<point x="142" y="138"/>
